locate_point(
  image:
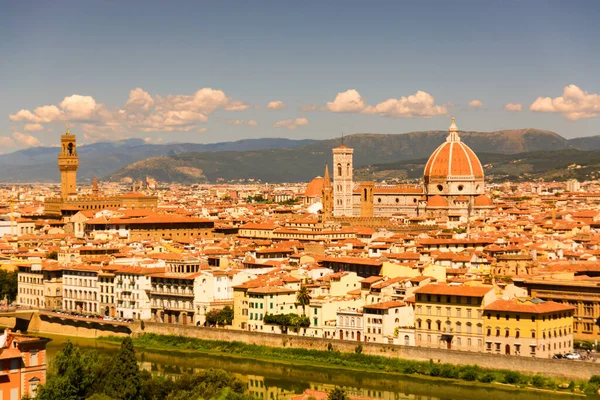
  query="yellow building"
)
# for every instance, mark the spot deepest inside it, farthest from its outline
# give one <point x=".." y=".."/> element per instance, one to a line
<point x="583" y="295"/>
<point x="529" y="328"/>
<point x="451" y="316"/>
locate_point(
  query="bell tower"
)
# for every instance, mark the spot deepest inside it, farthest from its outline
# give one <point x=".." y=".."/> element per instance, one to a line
<point x="342" y="181"/>
<point x="68" y="161"/>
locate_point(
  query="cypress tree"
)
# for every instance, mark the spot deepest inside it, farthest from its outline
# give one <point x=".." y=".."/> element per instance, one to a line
<point x="124" y="381"/>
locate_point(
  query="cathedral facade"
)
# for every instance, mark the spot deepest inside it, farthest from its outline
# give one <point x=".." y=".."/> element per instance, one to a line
<point x="453" y="187"/>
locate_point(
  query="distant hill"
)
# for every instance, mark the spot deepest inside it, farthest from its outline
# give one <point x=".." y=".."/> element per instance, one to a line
<point x="38" y="164"/>
<point x="586" y="143"/>
<point x="557" y="165"/>
<point x="305" y="162"/>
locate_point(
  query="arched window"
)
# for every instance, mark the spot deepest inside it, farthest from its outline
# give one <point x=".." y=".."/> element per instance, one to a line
<point x="365" y="194"/>
<point x="339" y="168"/>
<point x="348" y="169"/>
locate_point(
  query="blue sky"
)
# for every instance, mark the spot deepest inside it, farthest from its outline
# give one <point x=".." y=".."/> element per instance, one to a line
<point x="207" y="71"/>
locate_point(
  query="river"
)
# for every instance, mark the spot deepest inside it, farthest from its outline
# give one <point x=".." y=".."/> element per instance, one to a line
<point x="275" y="381"/>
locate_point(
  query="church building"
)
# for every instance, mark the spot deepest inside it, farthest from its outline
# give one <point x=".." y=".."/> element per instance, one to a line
<point x="453" y="187"/>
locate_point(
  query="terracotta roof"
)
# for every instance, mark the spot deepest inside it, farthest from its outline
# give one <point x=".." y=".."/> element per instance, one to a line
<point x="455" y="290"/>
<point x="534" y="306"/>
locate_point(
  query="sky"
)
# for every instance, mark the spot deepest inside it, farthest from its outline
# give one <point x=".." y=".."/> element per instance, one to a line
<point x="197" y="71"/>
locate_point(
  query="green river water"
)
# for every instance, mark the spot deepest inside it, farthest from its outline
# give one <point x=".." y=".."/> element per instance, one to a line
<point x="277" y="381"/>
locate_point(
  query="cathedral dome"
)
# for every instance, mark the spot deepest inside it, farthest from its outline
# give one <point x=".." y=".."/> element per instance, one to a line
<point x="314" y="188"/>
<point x="483" y="201"/>
<point x="453" y="159"/>
<point x="437" y="201"/>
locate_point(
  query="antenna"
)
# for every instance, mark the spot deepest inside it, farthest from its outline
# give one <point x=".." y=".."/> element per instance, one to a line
<point x="342" y="138"/>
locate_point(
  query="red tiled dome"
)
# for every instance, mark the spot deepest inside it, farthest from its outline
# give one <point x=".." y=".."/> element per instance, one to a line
<point x="461" y="198"/>
<point x="483" y="201"/>
<point x="437" y="201"/>
<point x="453" y="158"/>
<point x="314" y="188"/>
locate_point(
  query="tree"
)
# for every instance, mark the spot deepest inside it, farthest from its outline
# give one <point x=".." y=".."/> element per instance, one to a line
<point x="303" y="298"/>
<point x="53" y="255"/>
<point x="124" y="379"/>
<point x="337" y="393"/>
<point x="76" y="376"/>
<point x="226" y="316"/>
<point x="8" y="285"/>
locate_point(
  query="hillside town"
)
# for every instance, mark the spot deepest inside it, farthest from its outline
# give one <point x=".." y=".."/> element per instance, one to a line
<point x="455" y="264"/>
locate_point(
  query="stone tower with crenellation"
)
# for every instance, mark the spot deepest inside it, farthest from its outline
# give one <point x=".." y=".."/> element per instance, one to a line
<point x="68" y="162"/>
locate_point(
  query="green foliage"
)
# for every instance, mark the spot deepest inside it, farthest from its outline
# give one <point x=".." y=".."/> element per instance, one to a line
<point x="123" y="381"/>
<point x="487" y="377"/>
<point x="595" y="379"/>
<point x="538" y="381"/>
<point x="512" y="377"/>
<point x="353" y="360"/>
<point x="77" y="374"/>
<point x="287" y="320"/>
<point x="8" y="285"/>
<point x="337" y="393"/>
<point x="469" y="373"/>
<point x="303" y="298"/>
<point x="358" y="349"/>
<point x="220" y="317"/>
<point x="83" y="376"/>
<point x="142" y="325"/>
<point x="52" y="255"/>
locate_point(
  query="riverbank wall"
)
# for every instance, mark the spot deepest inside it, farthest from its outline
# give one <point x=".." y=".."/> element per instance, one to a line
<point x="567" y="369"/>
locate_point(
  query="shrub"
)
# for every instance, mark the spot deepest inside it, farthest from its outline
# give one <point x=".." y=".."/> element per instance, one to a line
<point x="512" y="377"/>
<point x="358" y="349"/>
<point x="595" y="379"/>
<point x="469" y="373"/>
<point x="435" y="370"/>
<point x="538" y="381"/>
<point x="487" y="377"/>
<point x="329" y="347"/>
<point x="449" y="371"/>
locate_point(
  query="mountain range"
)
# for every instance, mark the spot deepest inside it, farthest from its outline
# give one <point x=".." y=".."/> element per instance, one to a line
<point x="274" y="159"/>
<point x="307" y="161"/>
<point x="38" y="164"/>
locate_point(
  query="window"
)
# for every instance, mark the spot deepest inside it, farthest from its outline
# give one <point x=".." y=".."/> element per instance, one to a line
<point x="33" y="357"/>
<point x="458" y="312"/>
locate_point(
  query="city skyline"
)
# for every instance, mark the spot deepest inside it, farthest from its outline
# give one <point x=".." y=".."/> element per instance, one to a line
<point x="204" y="73"/>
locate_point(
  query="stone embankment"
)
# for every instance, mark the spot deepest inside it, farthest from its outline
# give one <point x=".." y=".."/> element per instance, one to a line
<point x="568" y="369"/>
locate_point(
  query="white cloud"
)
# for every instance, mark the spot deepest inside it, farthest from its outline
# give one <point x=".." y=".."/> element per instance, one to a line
<point x="291" y="123"/>
<point x="420" y="104"/>
<point x="348" y="101"/>
<point x="253" y="123"/>
<point x="236" y="106"/>
<point x="78" y="108"/>
<point x="513" y="107"/>
<point x="475" y="103"/>
<point x="573" y="104"/>
<point x="139" y="99"/>
<point x="276" y="105"/>
<point x="309" y="107"/>
<point x="236" y="122"/>
<point x="21" y="140"/>
<point x="142" y="112"/>
<point x="33" y="127"/>
<point x="201" y="130"/>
